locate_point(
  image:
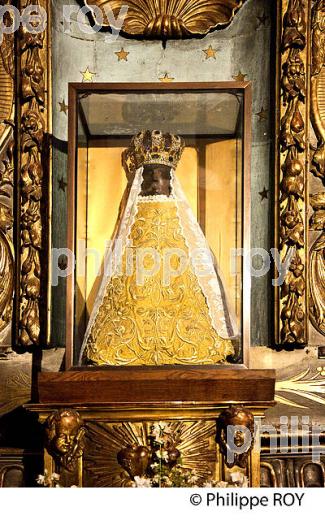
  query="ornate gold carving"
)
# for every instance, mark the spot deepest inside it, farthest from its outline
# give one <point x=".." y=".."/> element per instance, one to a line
<point x="299" y="471"/>
<point x="64" y="436"/>
<point x="135" y="460"/>
<point x="168" y="19"/>
<point x="317" y="221"/>
<point x="161" y="452"/>
<point x="307" y="385"/>
<point x="105" y="443"/>
<point x="292" y="142"/>
<point x="268" y="475"/>
<point x="238" y="422"/>
<point x="317" y="264"/>
<point x="153" y="147"/>
<point x="33" y="178"/>
<point x="318" y="88"/>
<point x="6" y="246"/>
<point x="6" y="78"/>
<point x="312" y="474"/>
<point x="6" y="176"/>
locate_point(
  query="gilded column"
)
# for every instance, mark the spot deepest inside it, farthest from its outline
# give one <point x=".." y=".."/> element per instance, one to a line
<point x="292" y="122"/>
<point x="33" y="197"/>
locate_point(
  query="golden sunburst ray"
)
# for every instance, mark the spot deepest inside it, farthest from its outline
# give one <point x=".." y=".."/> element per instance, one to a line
<point x="194" y="439"/>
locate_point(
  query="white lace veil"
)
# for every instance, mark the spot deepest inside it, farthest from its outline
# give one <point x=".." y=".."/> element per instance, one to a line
<point x="201" y="258"/>
<point x="114" y="251"/>
<point x="205" y="266"/>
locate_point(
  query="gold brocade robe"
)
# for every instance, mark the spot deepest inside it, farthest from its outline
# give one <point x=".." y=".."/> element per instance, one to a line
<point x="154" y="324"/>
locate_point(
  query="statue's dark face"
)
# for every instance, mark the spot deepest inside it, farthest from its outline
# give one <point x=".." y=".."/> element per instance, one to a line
<point x="156" y="180"/>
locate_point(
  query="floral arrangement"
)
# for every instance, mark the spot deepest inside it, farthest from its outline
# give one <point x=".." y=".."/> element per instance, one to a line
<point x="49" y="481"/>
<point x="166" y="470"/>
<point x="181" y="477"/>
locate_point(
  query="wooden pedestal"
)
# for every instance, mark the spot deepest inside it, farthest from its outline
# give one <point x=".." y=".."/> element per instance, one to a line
<point x="118" y="407"/>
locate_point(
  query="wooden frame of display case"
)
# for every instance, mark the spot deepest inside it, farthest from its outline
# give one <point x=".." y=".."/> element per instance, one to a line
<point x="77" y="89"/>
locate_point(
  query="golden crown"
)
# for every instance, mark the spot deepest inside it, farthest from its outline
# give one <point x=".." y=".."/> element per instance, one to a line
<point x="153" y="147"/>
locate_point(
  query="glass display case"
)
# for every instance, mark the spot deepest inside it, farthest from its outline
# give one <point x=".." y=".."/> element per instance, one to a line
<point x="159" y="170"/>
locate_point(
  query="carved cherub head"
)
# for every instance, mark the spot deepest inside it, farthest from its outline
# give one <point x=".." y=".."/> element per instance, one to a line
<point x="65" y="432"/>
<point x="235" y="435"/>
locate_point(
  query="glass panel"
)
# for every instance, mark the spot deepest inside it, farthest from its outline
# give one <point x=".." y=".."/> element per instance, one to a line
<point x="81" y="235"/>
<point x="210" y="174"/>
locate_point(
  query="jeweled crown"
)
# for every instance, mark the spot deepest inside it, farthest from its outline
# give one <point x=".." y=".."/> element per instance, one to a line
<point x="154" y="147"/>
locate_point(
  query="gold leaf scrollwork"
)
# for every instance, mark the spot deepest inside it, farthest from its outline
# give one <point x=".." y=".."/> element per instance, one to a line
<point x="317" y="201"/>
<point x="152" y="324"/>
<point x="33" y="130"/>
<point x="6" y="176"/>
<point x="6" y="78"/>
<point x="292" y="314"/>
<point x="318" y="88"/>
<point x="169" y="19"/>
<point x="6" y="246"/>
<point x="317" y="264"/>
<point x="292" y="141"/>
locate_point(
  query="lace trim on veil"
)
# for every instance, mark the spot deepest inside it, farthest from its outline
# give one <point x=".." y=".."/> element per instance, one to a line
<point x="155" y="198"/>
<point x="204" y="264"/>
<point x="115" y="250"/>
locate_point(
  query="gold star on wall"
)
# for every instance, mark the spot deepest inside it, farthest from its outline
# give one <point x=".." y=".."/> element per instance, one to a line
<point x="240" y="76"/>
<point x="262" y="19"/>
<point x="264" y="194"/>
<point x="210" y="52"/>
<point x="87" y="75"/>
<point x="63" y="107"/>
<point x="166" y="78"/>
<point x="262" y="114"/>
<point x="62" y="184"/>
<point x="122" y="55"/>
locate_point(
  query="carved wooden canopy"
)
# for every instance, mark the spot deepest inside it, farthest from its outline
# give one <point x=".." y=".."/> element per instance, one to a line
<point x="169" y="19"/>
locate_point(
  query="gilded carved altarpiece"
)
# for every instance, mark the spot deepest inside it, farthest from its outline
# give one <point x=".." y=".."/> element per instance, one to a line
<point x="25" y="164"/>
<point x="296" y="48"/>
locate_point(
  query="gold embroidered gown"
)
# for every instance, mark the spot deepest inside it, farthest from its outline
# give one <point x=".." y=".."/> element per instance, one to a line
<point x="154" y="323"/>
